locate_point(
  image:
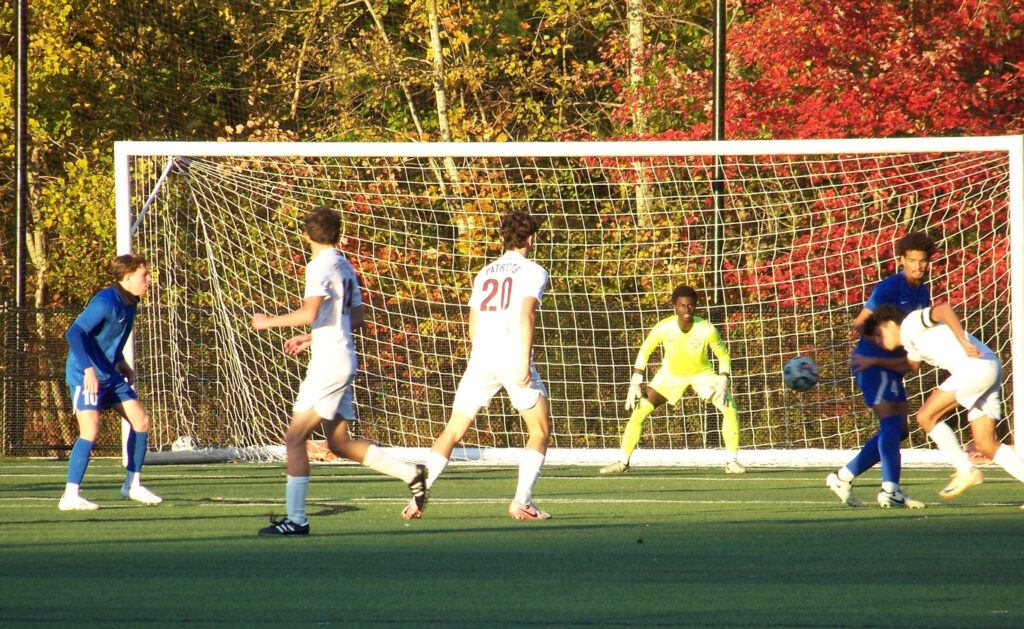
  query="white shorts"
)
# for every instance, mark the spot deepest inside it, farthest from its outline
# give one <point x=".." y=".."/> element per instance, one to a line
<point x="977" y="387"/>
<point x="328" y="389"/>
<point x="482" y="380"/>
<point x="672" y="387"/>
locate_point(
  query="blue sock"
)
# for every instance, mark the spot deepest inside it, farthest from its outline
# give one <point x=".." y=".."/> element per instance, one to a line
<point x="866" y="458"/>
<point x="890" y="436"/>
<point x="79" y="460"/>
<point x="136" y="450"/>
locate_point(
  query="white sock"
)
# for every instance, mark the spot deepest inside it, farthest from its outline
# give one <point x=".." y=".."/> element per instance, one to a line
<point x="295" y="498"/>
<point x="890" y="487"/>
<point x="380" y="461"/>
<point x="435" y="465"/>
<point x="1008" y="459"/>
<point x="531" y="463"/>
<point x="131" y="479"/>
<point x="845" y="475"/>
<point x="949" y="445"/>
<point x="71" y="489"/>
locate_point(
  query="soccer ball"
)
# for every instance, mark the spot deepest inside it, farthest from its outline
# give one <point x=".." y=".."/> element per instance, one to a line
<point x="800" y="373"/>
<point x="184" y="444"/>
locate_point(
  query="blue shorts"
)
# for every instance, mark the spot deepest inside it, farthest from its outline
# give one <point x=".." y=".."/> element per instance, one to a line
<point x="111" y="392"/>
<point x="878" y="384"/>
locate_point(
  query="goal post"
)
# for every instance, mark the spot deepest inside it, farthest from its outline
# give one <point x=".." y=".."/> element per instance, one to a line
<point x="804" y="231"/>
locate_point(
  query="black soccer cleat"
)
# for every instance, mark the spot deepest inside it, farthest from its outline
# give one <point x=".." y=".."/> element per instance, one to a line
<point x="418" y="487"/>
<point x="284" y="526"/>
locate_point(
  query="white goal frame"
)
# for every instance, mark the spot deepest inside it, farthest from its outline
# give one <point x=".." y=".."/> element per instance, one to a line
<point x="1013" y="146"/>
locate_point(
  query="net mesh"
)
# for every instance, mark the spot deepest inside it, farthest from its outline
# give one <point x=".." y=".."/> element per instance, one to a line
<point x="783" y="258"/>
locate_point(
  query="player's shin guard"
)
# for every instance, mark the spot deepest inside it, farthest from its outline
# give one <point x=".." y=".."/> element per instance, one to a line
<point x="380" y="461"/>
<point x="949" y="445"/>
<point x="79" y="460"/>
<point x="635" y="427"/>
<point x="1008" y="459"/>
<point x="295" y="498"/>
<point x="890" y="434"/>
<point x="867" y="458"/>
<point x="731" y="427"/>
<point x="530" y="465"/>
<point x="137" y="445"/>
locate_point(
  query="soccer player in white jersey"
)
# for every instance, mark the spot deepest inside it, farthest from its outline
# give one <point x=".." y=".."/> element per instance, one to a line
<point x="333" y="306"/>
<point x="502" y="311"/>
<point x="686" y="339"/>
<point x="936" y="336"/>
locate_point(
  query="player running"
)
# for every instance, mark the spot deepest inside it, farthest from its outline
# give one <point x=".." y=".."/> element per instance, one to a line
<point x="502" y="314"/>
<point x="936" y="336"/>
<point x="101" y="378"/>
<point x="333" y="306"/>
<point x="879" y="374"/>
<point x="686" y="339"/>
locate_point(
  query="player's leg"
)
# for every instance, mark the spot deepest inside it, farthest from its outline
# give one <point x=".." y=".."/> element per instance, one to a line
<point x="704" y="385"/>
<point x="340" y="442"/>
<point x="984" y="412"/>
<point x="929" y="417"/>
<point x="87" y="413"/>
<point x="634" y="430"/>
<point x="133" y="412"/>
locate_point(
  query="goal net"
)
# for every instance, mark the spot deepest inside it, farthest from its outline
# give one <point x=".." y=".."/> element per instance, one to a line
<point x="783" y="241"/>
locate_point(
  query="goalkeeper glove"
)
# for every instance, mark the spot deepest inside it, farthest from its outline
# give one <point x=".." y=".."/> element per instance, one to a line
<point x="718" y="396"/>
<point x="634" y="393"/>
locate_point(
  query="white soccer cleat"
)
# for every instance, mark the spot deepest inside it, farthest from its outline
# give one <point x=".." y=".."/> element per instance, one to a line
<point x="962" y="482"/>
<point x="899" y="500"/>
<point x="76" y="503"/>
<point x="615" y="468"/>
<point x="519" y="511"/>
<point x="735" y="467"/>
<point x="139" y="493"/>
<point x="843" y="489"/>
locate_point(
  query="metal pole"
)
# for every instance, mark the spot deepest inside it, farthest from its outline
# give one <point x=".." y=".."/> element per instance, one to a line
<point x="718" y="130"/>
<point x="13" y="430"/>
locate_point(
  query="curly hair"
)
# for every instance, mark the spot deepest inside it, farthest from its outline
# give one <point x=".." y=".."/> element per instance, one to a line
<point x="323" y="225"/>
<point x="915" y="241"/>
<point x="516" y="228"/>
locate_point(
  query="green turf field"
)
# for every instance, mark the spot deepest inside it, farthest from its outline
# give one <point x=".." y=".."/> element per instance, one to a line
<point x="654" y="547"/>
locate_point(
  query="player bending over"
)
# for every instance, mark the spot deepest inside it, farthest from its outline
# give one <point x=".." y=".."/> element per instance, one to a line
<point x="935" y="336"/>
<point x="332" y="305"/>
<point x="879" y="374"/>
<point x="686" y="340"/>
<point x="502" y="313"/>
<point x="100" y="378"/>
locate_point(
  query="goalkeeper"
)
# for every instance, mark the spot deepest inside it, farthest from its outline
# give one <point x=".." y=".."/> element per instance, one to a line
<point x="686" y="339"/>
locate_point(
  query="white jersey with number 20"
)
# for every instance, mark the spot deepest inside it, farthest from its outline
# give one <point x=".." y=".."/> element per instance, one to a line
<point x="498" y="293"/>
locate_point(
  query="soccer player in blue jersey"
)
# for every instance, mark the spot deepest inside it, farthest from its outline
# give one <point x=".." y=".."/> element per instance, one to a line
<point x="332" y="306"/>
<point x="879" y="374"/>
<point x="101" y="378"/>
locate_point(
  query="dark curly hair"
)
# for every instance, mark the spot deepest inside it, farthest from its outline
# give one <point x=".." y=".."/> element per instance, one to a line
<point x="915" y="241"/>
<point x="516" y="228"/>
<point x="684" y="291"/>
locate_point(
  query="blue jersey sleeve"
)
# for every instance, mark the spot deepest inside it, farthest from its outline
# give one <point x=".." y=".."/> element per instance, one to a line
<point x="885" y="292"/>
<point x="88" y="342"/>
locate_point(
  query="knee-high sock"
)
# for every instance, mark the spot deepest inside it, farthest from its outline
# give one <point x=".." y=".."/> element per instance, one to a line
<point x="295" y="498"/>
<point x="1008" y="459"/>
<point x="79" y="460"/>
<point x="435" y="465"/>
<point x="730" y="426"/>
<point x="635" y="427"/>
<point x="530" y="465"/>
<point x="866" y="458"/>
<point x="137" y="445"/>
<point x="949" y="445"/>
<point x="890" y="434"/>
<point x="380" y="461"/>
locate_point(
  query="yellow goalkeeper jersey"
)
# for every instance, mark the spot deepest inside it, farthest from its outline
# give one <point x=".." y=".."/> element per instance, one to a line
<point x="685" y="353"/>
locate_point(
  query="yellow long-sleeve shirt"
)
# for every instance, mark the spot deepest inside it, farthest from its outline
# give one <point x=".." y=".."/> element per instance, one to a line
<point x="685" y="353"/>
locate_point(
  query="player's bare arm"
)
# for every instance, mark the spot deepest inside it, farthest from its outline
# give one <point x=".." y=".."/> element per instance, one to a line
<point x="859" y="363"/>
<point x="858" y="322"/>
<point x="527" y="320"/>
<point x="943" y="313"/>
<point x="304" y="315"/>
